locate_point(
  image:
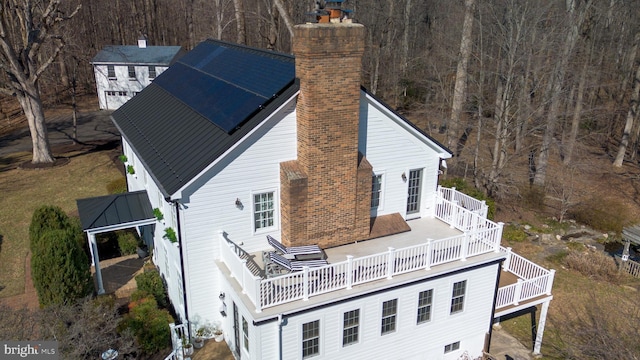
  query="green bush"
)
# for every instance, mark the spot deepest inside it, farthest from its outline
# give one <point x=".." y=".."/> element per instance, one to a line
<point x="46" y="218"/>
<point x="149" y="324"/>
<point x="470" y="190"/>
<point x="513" y="233"/>
<point x="127" y="242"/>
<point x="117" y="186"/>
<point x="151" y="283"/>
<point x="60" y="268"/>
<point x="602" y="214"/>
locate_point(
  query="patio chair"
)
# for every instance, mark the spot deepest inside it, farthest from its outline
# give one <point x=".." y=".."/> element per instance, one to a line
<point x="294" y="265"/>
<point x="294" y="250"/>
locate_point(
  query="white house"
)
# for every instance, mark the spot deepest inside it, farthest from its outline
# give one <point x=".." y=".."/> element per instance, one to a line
<point x="234" y="143"/>
<point x="122" y="71"/>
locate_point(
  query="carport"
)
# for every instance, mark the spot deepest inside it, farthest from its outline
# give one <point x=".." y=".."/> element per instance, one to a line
<point x="115" y="212"/>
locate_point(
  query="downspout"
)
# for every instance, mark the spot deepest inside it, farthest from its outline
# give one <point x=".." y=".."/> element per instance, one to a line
<point x="281" y="322"/>
<point x="182" y="272"/>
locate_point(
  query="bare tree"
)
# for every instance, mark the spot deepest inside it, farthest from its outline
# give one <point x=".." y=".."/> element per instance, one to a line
<point x="241" y="26"/>
<point x="631" y="114"/>
<point x="577" y="16"/>
<point x="459" y="92"/>
<point x="28" y="45"/>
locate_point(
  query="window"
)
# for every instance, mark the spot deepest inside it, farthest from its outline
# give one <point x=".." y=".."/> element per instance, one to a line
<point x="111" y="72"/>
<point x="111" y="93"/>
<point x="122" y="93"/>
<point x="263" y="213"/>
<point x="389" y="310"/>
<point x="310" y="339"/>
<point x="152" y="72"/>
<point x="452" y="347"/>
<point x="457" y="297"/>
<point x="245" y="333"/>
<point x="132" y="72"/>
<point x="376" y="191"/>
<point x="351" y="323"/>
<point x="425" y="299"/>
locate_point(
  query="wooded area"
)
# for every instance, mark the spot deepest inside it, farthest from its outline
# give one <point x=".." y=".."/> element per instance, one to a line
<point x="537" y="81"/>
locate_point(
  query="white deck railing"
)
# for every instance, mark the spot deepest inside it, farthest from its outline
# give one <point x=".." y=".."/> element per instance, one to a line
<point x="480" y="236"/>
<point x="470" y="203"/>
<point x="533" y="280"/>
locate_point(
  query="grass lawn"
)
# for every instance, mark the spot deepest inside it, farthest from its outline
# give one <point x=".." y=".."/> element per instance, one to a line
<point x="571" y="291"/>
<point x="25" y="190"/>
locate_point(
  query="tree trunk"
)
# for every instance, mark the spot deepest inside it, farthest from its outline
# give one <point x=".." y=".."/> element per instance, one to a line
<point x="557" y="81"/>
<point x="633" y="110"/>
<point x="288" y="22"/>
<point x="459" y="92"/>
<point x="33" y="110"/>
<point x="577" y="112"/>
<point x="241" y="26"/>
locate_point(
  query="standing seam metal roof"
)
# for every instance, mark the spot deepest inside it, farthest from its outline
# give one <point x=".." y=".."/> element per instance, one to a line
<point x="175" y="141"/>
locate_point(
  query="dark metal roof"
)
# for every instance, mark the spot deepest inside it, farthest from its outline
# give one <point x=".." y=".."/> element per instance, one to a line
<point x="134" y="55"/>
<point x="175" y="141"/>
<point x="109" y="210"/>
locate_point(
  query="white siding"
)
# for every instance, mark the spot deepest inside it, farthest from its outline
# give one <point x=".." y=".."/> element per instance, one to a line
<point x="122" y="83"/>
<point x="409" y="341"/>
<point x="212" y="208"/>
<point x="166" y="255"/>
<point x="394" y="151"/>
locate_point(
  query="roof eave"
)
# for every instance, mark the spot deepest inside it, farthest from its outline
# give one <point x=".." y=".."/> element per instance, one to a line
<point x="179" y="193"/>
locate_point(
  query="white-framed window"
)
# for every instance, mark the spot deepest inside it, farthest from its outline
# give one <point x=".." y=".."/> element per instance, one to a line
<point x="389" y="313"/>
<point x="264" y="210"/>
<point x="452" y="347"/>
<point x="132" y="72"/>
<point x="111" y="72"/>
<point x="425" y="300"/>
<point x="310" y="339"/>
<point x="152" y="72"/>
<point x="457" y="296"/>
<point x="350" y="327"/>
<point x="245" y="333"/>
<point x="376" y="191"/>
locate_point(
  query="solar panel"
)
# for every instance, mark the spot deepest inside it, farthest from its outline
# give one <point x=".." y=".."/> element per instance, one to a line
<point x="227" y="84"/>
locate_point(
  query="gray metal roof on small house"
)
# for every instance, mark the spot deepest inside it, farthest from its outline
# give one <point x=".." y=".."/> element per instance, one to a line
<point x="134" y="55"/>
<point x="117" y="209"/>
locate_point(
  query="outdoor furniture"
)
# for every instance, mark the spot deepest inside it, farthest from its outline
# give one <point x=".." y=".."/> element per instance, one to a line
<point x="293" y="265"/>
<point x="293" y="251"/>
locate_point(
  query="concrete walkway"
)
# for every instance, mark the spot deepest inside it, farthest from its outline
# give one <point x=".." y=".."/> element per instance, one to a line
<point x="506" y="347"/>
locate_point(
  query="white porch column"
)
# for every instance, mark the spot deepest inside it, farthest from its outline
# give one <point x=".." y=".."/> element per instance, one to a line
<point x="95" y="259"/>
<point x="540" y="332"/>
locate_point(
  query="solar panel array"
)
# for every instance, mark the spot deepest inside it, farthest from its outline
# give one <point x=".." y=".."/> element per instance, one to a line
<point x="227" y="84"/>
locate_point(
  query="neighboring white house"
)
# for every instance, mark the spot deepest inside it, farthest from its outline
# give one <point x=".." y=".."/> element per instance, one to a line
<point x="122" y="71"/>
<point x="234" y="143"/>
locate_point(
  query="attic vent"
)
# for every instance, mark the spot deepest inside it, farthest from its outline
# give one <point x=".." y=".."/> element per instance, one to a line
<point x="326" y="11"/>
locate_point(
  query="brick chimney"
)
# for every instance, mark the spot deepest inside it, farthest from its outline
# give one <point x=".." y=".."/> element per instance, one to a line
<point x="326" y="192"/>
